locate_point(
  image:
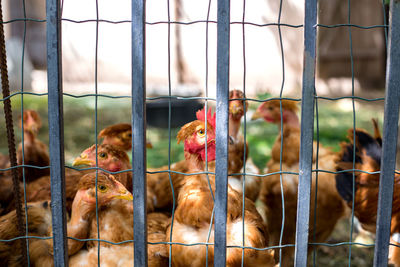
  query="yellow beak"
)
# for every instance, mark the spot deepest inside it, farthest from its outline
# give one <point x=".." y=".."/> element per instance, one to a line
<point x="256" y="116"/>
<point x="124" y="194"/>
<point x="79" y="161"/>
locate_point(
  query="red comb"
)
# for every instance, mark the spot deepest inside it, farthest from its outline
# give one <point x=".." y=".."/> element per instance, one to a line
<point x="201" y="115"/>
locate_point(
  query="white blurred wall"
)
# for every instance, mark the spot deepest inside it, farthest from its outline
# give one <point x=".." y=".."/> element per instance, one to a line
<point x="263" y="54"/>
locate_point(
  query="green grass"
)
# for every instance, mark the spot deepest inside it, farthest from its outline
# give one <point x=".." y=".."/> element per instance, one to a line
<point x="335" y="118"/>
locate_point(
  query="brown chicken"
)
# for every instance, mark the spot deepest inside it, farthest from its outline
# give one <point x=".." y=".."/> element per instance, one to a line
<point x="109" y="159"/>
<point x="158" y="183"/>
<point x="236" y="149"/>
<point x="35" y="151"/>
<point x="116" y="225"/>
<point x="119" y="135"/>
<point x="39" y="221"/>
<point x="368" y="151"/>
<point x="329" y="206"/>
<point x="161" y="184"/>
<point x="4" y="163"/>
<point x="195" y="205"/>
<point x="113" y="159"/>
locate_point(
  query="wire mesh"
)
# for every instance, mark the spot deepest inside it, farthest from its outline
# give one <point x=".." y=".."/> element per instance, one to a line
<point x="171" y="97"/>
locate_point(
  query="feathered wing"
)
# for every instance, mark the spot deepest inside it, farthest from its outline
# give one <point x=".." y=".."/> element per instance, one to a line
<point x="366" y="153"/>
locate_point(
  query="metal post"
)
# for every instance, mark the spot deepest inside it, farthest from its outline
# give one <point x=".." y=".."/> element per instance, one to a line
<point x="221" y="164"/>
<point x="56" y="132"/>
<point x="139" y="132"/>
<point x="389" y="144"/>
<point x="307" y="132"/>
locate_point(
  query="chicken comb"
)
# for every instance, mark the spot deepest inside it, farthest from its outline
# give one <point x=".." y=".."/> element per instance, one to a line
<point x="201" y="115"/>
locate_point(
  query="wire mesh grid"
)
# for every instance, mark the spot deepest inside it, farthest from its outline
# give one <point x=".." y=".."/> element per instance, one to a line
<point x="170" y="170"/>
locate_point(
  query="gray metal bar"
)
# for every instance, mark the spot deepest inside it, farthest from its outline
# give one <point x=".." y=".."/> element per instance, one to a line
<point x="139" y="132"/>
<point x="307" y="132"/>
<point x="56" y="131"/>
<point x="389" y="144"/>
<point x="221" y="164"/>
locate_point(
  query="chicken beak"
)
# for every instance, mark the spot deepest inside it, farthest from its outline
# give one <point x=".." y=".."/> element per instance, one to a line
<point x="124" y="194"/>
<point x="82" y="160"/>
<point x="256" y="116"/>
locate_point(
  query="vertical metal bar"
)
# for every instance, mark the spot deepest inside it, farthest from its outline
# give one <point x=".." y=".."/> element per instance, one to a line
<point x="56" y="131"/>
<point x="389" y="144"/>
<point x="139" y="131"/>
<point x="221" y="164"/>
<point x="307" y="131"/>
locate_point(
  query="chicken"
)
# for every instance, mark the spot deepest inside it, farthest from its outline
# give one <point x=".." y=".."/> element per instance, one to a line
<point x="237" y="149"/>
<point x="7" y="202"/>
<point x="4" y="162"/>
<point x="329" y="206"/>
<point x="368" y="152"/>
<point x="159" y="192"/>
<point x="119" y="135"/>
<point x="35" y="151"/>
<point x="39" y="220"/>
<point x="158" y="185"/>
<point x="195" y="206"/>
<point x="160" y="181"/>
<point x="109" y="159"/>
<point x="116" y="225"/>
<point x="113" y="159"/>
<point x="39" y="189"/>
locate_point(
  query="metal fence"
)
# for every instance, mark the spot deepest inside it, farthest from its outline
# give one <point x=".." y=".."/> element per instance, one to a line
<point x="309" y="101"/>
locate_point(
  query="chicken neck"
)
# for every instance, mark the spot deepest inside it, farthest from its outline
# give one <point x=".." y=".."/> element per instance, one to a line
<point x="29" y="137"/>
<point x="290" y="119"/>
<point x="78" y="226"/>
<point x="234" y="126"/>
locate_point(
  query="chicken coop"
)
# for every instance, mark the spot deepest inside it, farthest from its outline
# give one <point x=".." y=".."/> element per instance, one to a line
<point x="199" y="133"/>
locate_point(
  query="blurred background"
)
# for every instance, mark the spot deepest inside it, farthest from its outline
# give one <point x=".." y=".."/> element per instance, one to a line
<point x="263" y="62"/>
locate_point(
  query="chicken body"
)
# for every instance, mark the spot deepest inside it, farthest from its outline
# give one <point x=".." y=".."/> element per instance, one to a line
<point x="328" y="206"/>
<point x="238" y="150"/>
<point x="368" y="151"/>
<point x="194" y="210"/>
<point x="109" y="159"/>
<point x="114" y="159"/>
<point x="237" y="154"/>
<point x="35" y="152"/>
<point x="39" y="221"/>
<point x="116" y="225"/>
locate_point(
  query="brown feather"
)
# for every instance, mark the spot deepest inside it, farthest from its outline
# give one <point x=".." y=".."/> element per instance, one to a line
<point x="329" y="206"/>
<point x="193" y="216"/>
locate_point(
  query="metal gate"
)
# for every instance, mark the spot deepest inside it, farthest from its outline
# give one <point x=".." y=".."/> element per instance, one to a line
<point x="308" y="102"/>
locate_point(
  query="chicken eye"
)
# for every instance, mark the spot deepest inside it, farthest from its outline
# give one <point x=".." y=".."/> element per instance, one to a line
<point x="270" y="108"/>
<point x="201" y="132"/>
<point x="102" y="188"/>
<point x="102" y="155"/>
<point x="127" y="135"/>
